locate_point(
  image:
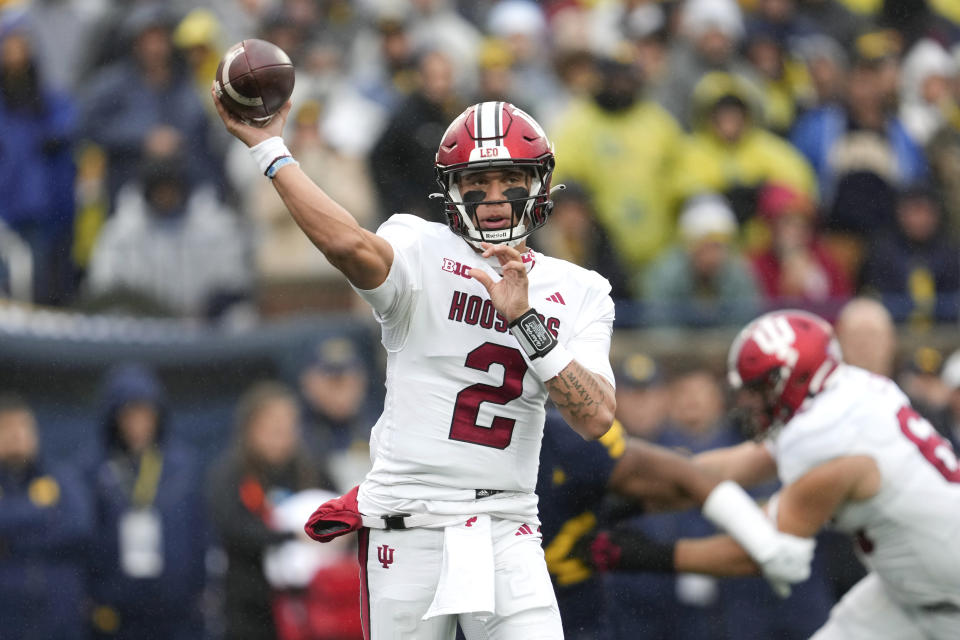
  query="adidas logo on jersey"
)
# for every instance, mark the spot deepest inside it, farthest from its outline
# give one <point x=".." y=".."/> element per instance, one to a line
<point x="557" y="298"/>
<point x="524" y="530"/>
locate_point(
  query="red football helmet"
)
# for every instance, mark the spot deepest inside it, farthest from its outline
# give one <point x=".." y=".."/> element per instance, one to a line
<point x="492" y="135"/>
<point x="778" y="361"/>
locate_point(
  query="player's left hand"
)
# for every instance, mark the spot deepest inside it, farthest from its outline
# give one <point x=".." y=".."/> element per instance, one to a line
<point x="789" y="561"/>
<point x="509" y="293"/>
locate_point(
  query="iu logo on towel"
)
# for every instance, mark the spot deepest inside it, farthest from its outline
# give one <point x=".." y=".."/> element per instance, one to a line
<point x="385" y="556"/>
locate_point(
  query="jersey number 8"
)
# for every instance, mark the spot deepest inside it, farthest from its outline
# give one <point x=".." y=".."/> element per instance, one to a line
<point x="933" y="447"/>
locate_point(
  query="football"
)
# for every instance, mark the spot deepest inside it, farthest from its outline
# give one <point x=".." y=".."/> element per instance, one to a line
<point x="254" y="79"/>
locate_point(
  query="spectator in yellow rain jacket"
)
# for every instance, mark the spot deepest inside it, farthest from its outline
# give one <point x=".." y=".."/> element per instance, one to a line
<point x="620" y="146"/>
<point x="729" y="153"/>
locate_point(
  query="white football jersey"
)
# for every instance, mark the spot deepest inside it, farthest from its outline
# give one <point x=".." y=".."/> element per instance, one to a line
<point x="463" y="411"/>
<point x="908" y="532"/>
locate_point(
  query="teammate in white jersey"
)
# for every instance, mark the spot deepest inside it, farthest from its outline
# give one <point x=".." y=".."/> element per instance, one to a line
<point x="850" y="451"/>
<point x="449" y="510"/>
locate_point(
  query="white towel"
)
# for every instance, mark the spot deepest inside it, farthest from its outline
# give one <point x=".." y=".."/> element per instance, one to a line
<point x="467" y="573"/>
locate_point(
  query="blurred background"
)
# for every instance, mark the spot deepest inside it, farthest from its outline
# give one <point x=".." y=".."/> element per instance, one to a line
<point x="179" y="364"/>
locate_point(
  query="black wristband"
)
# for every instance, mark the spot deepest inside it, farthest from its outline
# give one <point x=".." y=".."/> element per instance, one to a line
<point x="534" y="337"/>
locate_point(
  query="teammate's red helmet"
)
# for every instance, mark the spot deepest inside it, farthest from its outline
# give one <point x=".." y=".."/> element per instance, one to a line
<point x="785" y="357"/>
<point x="492" y="135"/>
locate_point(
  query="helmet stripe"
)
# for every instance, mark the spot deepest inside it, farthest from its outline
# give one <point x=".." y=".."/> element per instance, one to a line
<point x="498" y="124"/>
<point x="476" y="122"/>
<point x="489" y="128"/>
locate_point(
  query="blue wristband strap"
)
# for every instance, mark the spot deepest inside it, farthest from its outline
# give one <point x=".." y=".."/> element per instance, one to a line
<point x="275" y="166"/>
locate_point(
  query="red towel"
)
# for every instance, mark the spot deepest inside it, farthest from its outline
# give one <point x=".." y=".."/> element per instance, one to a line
<point x="335" y="518"/>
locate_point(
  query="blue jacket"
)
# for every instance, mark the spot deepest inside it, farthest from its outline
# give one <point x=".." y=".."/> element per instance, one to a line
<point x="120" y="109"/>
<point x="36" y="163"/>
<point x="817" y="131"/>
<point x="178" y="504"/>
<point x="46" y="518"/>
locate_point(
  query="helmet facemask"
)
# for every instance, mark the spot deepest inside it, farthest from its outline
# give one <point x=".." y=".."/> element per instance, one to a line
<point x="530" y="208"/>
<point x="757" y="410"/>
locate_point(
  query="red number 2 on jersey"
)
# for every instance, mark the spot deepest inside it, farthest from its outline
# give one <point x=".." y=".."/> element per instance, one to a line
<point x="933" y="447"/>
<point x="464" y="426"/>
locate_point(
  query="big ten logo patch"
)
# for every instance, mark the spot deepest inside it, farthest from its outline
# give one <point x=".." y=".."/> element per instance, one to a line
<point x="456" y="268"/>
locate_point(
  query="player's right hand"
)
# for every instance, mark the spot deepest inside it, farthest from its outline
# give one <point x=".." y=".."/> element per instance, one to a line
<point x="247" y="133"/>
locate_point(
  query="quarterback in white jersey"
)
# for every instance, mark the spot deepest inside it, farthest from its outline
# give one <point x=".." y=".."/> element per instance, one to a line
<point x="850" y="452"/>
<point x="461" y="412"/>
<point x="479" y="332"/>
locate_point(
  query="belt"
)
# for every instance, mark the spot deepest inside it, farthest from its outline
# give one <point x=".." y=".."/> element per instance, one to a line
<point x="410" y="520"/>
<point x="404" y="521"/>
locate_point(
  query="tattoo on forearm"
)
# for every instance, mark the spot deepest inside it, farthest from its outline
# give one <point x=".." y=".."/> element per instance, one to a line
<point x="576" y="391"/>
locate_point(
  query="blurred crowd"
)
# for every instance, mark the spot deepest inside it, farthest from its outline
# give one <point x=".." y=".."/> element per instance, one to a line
<point x="720" y="157"/>
<point x="135" y="536"/>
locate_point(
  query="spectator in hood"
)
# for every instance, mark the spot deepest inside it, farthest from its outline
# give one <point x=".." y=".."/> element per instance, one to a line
<point x="335" y="386"/>
<point x="36" y="162"/>
<point x="147" y="566"/>
<point x="170" y="249"/>
<point x="730" y="152"/>
<point x="46" y="519"/>
<point x="916" y="266"/>
<point x="926" y="101"/>
<point x="795" y="267"/>
<point x="620" y="146"/>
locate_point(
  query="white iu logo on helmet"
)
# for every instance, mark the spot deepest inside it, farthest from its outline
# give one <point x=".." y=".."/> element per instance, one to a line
<point x="776" y="337"/>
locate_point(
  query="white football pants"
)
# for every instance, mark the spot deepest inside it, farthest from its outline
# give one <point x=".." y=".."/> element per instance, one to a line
<point x="399" y="575"/>
<point x="866" y="612"/>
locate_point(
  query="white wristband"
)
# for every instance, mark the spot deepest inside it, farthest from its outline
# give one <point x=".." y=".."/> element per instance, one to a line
<point x="729" y="507"/>
<point x="267" y="151"/>
<point x="550" y="365"/>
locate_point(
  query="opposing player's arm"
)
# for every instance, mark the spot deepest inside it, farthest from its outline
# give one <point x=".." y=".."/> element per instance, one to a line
<point x="803" y="507"/>
<point x="362" y="256"/>
<point x="659" y="478"/>
<point x="748" y="464"/>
